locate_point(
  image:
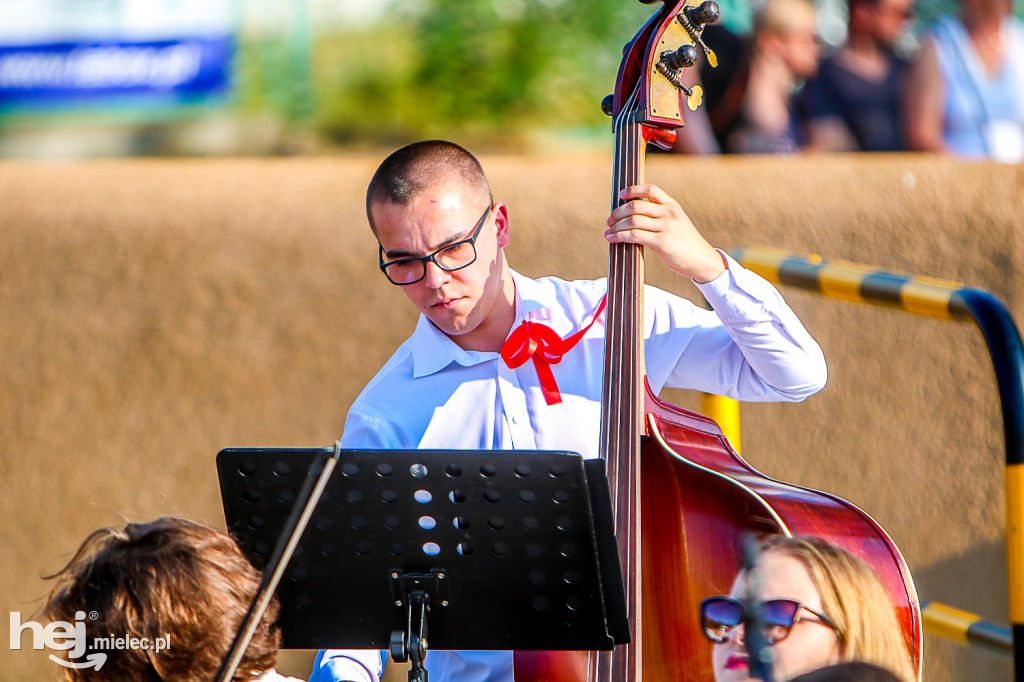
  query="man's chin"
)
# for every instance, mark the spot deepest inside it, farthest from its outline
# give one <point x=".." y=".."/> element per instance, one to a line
<point x="451" y="325"/>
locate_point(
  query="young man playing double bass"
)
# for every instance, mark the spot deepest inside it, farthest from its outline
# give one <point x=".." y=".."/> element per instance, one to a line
<point x="450" y="386"/>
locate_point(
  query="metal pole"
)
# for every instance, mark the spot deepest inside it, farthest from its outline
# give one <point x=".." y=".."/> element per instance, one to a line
<point x="945" y="300"/>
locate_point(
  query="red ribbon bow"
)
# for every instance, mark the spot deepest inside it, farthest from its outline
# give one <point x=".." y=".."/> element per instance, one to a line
<point x="546" y="347"/>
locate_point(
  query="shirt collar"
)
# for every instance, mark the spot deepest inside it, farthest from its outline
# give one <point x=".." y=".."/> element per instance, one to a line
<point x="533" y="300"/>
<point x="432" y="350"/>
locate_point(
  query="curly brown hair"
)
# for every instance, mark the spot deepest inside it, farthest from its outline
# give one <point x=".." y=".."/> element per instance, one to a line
<point x="169" y="577"/>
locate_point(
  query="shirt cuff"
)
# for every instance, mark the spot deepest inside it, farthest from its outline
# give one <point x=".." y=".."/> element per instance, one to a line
<point x="739" y="294"/>
<point x="720" y="286"/>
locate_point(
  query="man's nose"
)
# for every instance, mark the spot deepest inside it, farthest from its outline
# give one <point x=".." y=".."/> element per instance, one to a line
<point x="435" y="277"/>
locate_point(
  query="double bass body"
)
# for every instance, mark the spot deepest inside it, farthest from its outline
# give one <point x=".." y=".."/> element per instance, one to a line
<point x="699" y="500"/>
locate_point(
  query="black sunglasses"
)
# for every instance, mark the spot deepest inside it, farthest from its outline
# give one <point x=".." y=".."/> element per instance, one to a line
<point x="461" y="254"/>
<point x="719" y="615"/>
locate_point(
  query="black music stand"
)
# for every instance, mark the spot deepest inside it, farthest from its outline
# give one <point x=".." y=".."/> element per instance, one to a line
<point x="490" y="550"/>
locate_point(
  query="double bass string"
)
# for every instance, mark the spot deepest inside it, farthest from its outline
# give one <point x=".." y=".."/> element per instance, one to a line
<point x="612" y="429"/>
<point x="601" y="667"/>
<point x="609" y="432"/>
<point x="631" y="253"/>
<point x="621" y="381"/>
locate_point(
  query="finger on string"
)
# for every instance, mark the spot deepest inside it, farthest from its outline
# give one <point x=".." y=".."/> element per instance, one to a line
<point x="648" y="191"/>
<point x="635" y="208"/>
<point x="637" y="221"/>
<point x="633" y="235"/>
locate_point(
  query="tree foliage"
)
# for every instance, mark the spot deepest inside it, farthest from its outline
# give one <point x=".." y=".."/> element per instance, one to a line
<point x="488" y="71"/>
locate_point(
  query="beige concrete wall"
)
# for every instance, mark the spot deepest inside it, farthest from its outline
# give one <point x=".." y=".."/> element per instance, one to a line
<point x="154" y="312"/>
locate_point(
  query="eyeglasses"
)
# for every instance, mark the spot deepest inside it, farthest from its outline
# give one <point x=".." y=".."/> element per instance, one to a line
<point x="719" y="615"/>
<point x="402" y="271"/>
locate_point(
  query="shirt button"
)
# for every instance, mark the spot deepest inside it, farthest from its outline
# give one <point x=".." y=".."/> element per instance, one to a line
<point x="516" y="419"/>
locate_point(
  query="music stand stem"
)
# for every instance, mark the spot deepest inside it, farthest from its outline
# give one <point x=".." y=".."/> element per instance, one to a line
<point x="419" y="608"/>
<point x="759" y="651"/>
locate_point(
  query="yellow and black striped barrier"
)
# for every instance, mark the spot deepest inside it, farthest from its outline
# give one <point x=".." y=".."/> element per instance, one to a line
<point x="860" y="284"/>
<point x="945" y="300"/>
<point x="945" y="621"/>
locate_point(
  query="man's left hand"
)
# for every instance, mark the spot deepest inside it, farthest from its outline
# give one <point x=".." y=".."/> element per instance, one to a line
<point x="662" y="225"/>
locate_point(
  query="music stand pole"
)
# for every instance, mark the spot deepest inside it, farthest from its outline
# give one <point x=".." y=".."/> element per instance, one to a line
<point x="761" y="656"/>
<point x="312" y="490"/>
<point x="418" y="637"/>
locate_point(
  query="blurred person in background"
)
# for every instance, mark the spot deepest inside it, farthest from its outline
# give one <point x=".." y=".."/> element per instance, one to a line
<point x="707" y="129"/>
<point x="784" y="52"/>
<point x="965" y="91"/>
<point x="855" y="100"/>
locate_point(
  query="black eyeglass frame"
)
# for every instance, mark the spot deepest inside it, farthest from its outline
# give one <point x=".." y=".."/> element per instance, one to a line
<point x="432" y="257"/>
<point x="825" y="620"/>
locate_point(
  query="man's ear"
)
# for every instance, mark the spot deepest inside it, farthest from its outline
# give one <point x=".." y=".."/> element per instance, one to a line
<point x="501" y="223"/>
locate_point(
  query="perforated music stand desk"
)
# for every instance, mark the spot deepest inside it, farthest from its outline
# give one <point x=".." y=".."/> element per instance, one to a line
<point x="515" y="549"/>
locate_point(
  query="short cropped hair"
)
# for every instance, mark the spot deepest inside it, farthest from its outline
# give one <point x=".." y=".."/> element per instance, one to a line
<point x="409" y="171"/>
<point x="855" y="600"/>
<point x="171" y="576"/>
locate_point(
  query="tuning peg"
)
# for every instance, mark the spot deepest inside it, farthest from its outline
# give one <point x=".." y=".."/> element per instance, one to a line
<point x="607" y="104"/>
<point x="672" y="77"/>
<point x="695" y="97"/>
<point x="708" y="12"/>
<point x="683" y="58"/>
<point x="693" y="20"/>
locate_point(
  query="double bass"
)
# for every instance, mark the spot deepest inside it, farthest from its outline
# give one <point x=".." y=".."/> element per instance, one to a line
<point x="683" y="498"/>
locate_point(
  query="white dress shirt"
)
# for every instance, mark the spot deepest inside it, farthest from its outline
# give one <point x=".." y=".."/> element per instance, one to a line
<point x="433" y="394"/>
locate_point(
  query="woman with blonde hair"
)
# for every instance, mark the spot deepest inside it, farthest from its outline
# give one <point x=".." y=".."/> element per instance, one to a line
<point x="820" y="604"/>
<point x="784" y="52"/>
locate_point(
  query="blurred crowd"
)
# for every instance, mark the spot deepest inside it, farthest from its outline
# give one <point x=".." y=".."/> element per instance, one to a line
<point x="776" y="90"/>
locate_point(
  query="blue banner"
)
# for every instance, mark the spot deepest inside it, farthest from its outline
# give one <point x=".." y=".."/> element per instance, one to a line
<point x="76" y="73"/>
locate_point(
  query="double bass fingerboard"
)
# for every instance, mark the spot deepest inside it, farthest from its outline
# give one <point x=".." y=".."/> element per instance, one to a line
<point x="623" y="395"/>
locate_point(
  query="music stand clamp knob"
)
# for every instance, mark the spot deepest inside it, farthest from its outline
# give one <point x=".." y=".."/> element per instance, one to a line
<point x="415" y="592"/>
